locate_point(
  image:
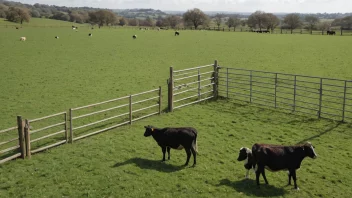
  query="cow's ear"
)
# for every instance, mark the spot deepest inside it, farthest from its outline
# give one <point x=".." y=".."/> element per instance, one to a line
<point x="145" y="127"/>
<point x="152" y="129"/>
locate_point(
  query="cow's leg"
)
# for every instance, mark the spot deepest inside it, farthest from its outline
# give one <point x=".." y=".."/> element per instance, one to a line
<point x="294" y="179"/>
<point x="263" y="173"/>
<point x="163" y="148"/>
<point x="168" y="152"/>
<point x="257" y="173"/>
<point x="289" y="177"/>
<point x="188" y="152"/>
<point x="194" y="155"/>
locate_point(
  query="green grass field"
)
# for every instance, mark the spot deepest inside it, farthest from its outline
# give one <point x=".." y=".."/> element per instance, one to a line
<point x="43" y="75"/>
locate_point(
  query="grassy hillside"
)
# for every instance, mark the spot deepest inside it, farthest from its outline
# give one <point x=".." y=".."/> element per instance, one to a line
<point x="44" y="75"/>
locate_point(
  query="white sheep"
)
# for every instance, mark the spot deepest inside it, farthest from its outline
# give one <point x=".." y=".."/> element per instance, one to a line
<point x="22" y="38"/>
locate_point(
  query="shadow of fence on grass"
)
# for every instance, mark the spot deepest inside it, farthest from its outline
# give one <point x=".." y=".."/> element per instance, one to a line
<point x="249" y="187"/>
<point x="150" y="164"/>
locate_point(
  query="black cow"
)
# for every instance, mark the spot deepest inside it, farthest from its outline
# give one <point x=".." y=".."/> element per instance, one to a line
<point x="176" y="138"/>
<point x="330" y="32"/>
<point x="249" y="163"/>
<point x="276" y="158"/>
<point x="134" y="36"/>
<point x="90" y="34"/>
<point x="177" y="33"/>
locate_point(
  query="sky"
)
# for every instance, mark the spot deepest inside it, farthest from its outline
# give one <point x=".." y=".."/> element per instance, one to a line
<point x="301" y="6"/>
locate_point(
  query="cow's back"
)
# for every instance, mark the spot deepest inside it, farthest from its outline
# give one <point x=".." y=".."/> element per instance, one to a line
<point x="174" y="137"/>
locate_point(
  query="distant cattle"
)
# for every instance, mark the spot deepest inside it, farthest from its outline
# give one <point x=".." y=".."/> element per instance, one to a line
<point x="134" y="36"/>
<point x="245" y="155"/>
<point x="23" y="38"/>
<point x="90" y="34"/>
<point x="276" y="158"/>
<point x="177" y="33"/>
<point x="17" y="28"/>
<point x="56" y="37"/>
<point x="330" y="32"/>
<point x="176" y="138"/>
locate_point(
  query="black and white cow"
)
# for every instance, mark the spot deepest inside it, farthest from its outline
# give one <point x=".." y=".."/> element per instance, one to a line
<point x="177" y="33"/>
<point x="134" y="36"/>
<point x="276" y="158"/>
<point x="176" y="138"/>
<point x="245" y="155"/>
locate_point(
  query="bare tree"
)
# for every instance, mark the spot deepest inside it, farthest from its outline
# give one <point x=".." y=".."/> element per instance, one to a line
<point x="293" y="21"/>
<point x="218" y="19"/>
<point x="233" y="21"/>
<point x="257" y="19"/>
<point x="311" y="20"/>
<point x="324" y="25"/>
<point x="271" y="21"/>
<point x="196" y="17"/>
<point x="173" y="21"/>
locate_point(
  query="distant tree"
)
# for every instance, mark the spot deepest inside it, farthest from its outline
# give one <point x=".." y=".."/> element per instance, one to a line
<point x="103" y="17"/>
<point x="196" y="17"/>
<point x="133" y="22"/>
<point x="257" y="20"/>
<point x="271" y="21"/>
<point x="35" y="13"/>
<point x="218" y="19"/>
<point x="346" y="22"/>
<point x="324" y="25"/>
<point x="312" y="20"/>
<point x="159" y="23"/>
<point x="122" y="21"/>
<point x="244" y="23"/>
<point x="293" y="21"/>
<point x="17" y="14"/>
<point x="61" y="16"/>
<point x="3" y="10"/>
<point x="233" y="21"/>
<point x="149" y="22"/>
<point x="173" y="21"/>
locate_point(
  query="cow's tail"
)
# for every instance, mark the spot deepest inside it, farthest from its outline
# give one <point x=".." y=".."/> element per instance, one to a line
<point x="195" y="146"/>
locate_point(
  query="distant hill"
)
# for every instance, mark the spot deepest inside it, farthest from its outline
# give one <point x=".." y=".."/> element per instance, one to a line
<point x="140" y="13"/>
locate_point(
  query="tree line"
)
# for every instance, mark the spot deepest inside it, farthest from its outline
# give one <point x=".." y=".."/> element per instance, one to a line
<point x="18" y="12"/>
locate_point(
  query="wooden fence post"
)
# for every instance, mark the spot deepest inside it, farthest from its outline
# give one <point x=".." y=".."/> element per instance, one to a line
<point x="215" y="85"/>
<point x="71" y="129"/>
<point x="28" y="139"/>
<point x="130" y="101"/>
<point x="159" y="100"/>
<point x="320" y="97"/>
<point x="171" y="90"/>
<point x="66" y="135"/>
<point x="199" y="96"/>
<point x="227" y="82"/>
<point x="344" y="102"/>
<point x="250" y="86"/>
<point x="21" y="143"/>
<point x="275" y="87"/>
<point x="294" y="93"/>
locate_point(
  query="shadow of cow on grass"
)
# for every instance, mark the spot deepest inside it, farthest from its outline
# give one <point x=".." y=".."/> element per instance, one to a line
<point x="150" y="164"/>
<point x="246" y="187"/>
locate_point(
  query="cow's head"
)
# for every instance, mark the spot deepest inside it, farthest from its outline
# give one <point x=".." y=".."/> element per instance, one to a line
<point x="148" y="130"/>
<point x="243" y="154"/>
<point x="309" y="150"/>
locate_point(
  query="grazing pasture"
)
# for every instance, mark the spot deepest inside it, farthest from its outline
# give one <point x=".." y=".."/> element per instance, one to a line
<point x="45" y="75"/>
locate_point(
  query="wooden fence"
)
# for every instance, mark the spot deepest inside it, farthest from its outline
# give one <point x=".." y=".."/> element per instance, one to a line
<point x="35" y="135"/>
<point x="321" y="97"/>
<point x="192" y="85"/>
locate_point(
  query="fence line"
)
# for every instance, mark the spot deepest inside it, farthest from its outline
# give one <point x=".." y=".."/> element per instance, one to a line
<point x="46" y="129"/>
<point x="322" y="97"/>
<point x="185" y="79"/>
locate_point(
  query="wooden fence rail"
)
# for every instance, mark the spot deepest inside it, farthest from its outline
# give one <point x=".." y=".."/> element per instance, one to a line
<point x="35" y="135"/>
<point x="127" y="102"/>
